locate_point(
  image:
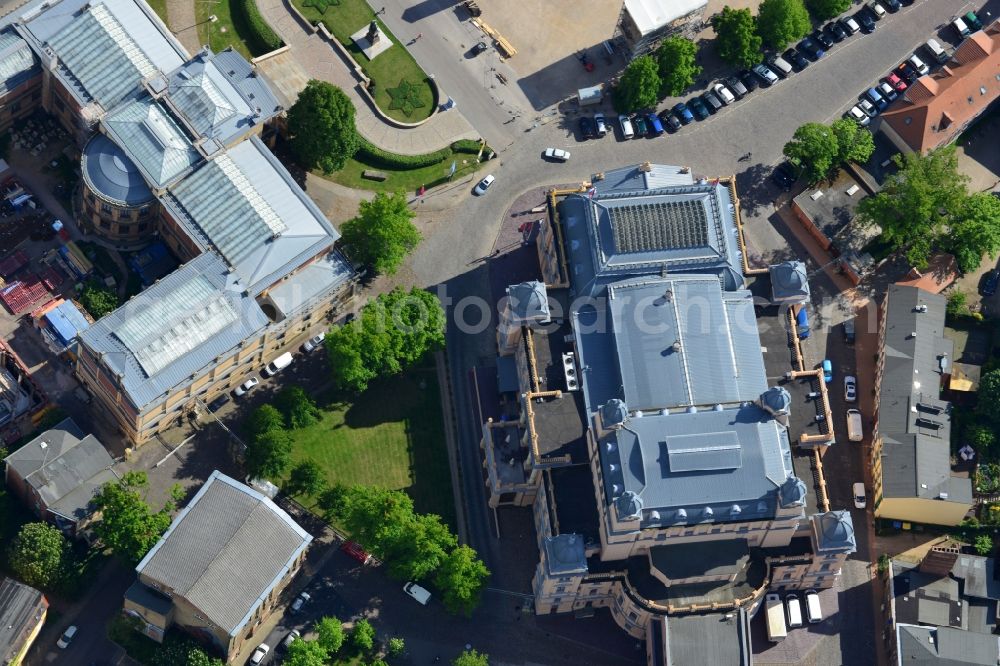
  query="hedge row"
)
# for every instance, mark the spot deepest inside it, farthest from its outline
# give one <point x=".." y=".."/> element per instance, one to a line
<point x="466" y="146"/>
<point x="378" y="157"/>
<point x="263" y="35"/>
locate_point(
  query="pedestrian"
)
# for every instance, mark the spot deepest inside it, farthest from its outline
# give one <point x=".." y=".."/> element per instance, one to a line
<point x="419" y="35"/>
<point x="382" y="11"/>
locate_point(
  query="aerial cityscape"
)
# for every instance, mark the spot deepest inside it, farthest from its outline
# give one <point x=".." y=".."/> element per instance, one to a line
<point x="486" y="332"/>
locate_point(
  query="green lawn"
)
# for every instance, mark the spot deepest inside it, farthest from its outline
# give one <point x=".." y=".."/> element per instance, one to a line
<point x="229" y="30"/>
<point x="391" y="435"/>
<point x="408" y="180"/>
<point x="343" y="18"/>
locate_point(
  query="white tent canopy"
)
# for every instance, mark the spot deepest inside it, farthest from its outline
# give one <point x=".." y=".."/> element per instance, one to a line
<point x="651" y="15"/>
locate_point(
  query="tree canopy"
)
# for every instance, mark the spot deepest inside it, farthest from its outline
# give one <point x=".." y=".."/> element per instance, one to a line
<point x="331" y="634"/>
<point x="363" y="635"/>
<point x="264" y="418"/>
<point x="128" y="525"/>
<point x="305" y="653"/>
<point x="40" y="556"/>
<point x="676" y="60"/>
<point x="975" y="231"/>
<point x="306" y="478"/>
<point x="780" y="22"/>
<point x="269" y="454"/>
<point x="639" y="86"/>
<point x="827" y="9"/>
<point x="989" y="389"/>
<point x="813" y="148"/>
<point x="298" y="408"/>
<point x="736" y="38"/>
<point x="916" y="206"/>
<point x="321" y="126"/>
<point x="462" y="577"/>
<point x="392" y="333"/>
<point x="471" y="658"/>
<point x="854" y="142"/>
<point x="98" y="300"/>
<point x="383" y="232"/>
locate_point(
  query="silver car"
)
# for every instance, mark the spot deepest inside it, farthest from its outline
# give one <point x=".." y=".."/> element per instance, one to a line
<point x="766" y="75"/>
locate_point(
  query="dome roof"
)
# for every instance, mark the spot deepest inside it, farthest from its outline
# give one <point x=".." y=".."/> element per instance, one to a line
<point x="836" y="531"/>
<point x="789" y="281"/>
<point x="793" y="492"/>
<point x="776" y="400"/>
<point x="111" y="174"/>
<point x="529" y="301"/>
<point x="614" y="412"/>
<point x="629" y="505"/>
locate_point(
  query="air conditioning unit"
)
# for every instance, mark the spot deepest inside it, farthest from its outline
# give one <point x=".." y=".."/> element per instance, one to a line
<point x="569" y="370"/>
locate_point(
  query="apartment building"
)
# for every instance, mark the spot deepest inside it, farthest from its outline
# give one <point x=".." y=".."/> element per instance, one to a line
<point x="642" y="431"/>
<point x="171" y="150"/>
<point x="911" y="441"/>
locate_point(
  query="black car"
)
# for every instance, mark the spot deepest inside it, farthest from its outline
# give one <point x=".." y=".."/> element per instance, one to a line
<point x="865" y="20"/>
<point x="834" y="31"/>
<point x="892" y="5"/>
<point x="217" y="404"/>
<point x="748" y="79"/>
<point x="810" y="49"/>
<point x="586" y="127"/>
<point x="683" y="113"/>
<point x="478" y="48"/>
<point x="671" y="122"/>
<point x="784" y="176"/>
<point x="822" y="39"/>
<point x="736" y="87"/>
<point x="907" y="72"/>
<point x="990" y="284"/>
<point x="698" y="108"/>
<point x="795" y="59"/>
<point x="711" y="101"/>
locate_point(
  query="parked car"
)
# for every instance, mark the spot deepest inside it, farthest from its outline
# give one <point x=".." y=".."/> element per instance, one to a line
<point x="865" y="20"/>
<point x="849" y="25"/>
<point x="290" y="638"/>
<point x="586" y="127"/>
<point x="798" y="61"/>
<point x="810" y="49"/>
<point x="868" y="108"/>
<point x="697" y="107"/>
<point x="711" y="101"/>
<point x="749" y="79"/>
<point x="670" y="121"/>
<point x="767" y="77"/>
<point x="888" y="91"/>
<point x="990" y="284"/>
<point x="557" y="154"/>
<point x="906" y="72"/>
<point x="484" y="185"/>
<point x="627" y="131"/>
<point x="784" y="176"/>
<point x="892" y="5"/>
<point x="67" y="637"/>
<point x="736" y="87"/>
<point x="916" y="63"/>
<point x="849" y="331"/>
<point x="478" y="48"/>
<point x="973" y="21"/>
<point x="850" y="388"/>
<point x="860" y="501"/>
<point x="859" y="116"/>
<point x="417" y="592"/>
<point x="600" y="127"/>
<point x="877" y="10"/>
<point x="827" y="370"/>
<point x="258" y="655"/>
<point x="822" y="39"/>
<point x="961" y="28"/>
<point x="876" y="98"/>
<point x="246" y="387"/>
<point x="898" y="84"/>
<point x="218" y="403"/>
<point x="300" y="601"/>
<point x="683" y="113"/>
<point x="354" y="550"/>
<point x="722" y="92"/>
<point x="641" y="128"/>
<point x="780" y="66"/>
<point x="655" y="126"/>
<point x="835" y="31"/>
<point x="314" y="343"/>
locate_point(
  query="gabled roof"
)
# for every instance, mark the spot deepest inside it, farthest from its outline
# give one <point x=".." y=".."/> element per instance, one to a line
<point x="938" y="106"/>
<point x="152" y="140"/>
<point x="225" y="552"/>
<point x="21" y="609"/>
<point x="17" y="62"/>
<point x="944" y="646"/>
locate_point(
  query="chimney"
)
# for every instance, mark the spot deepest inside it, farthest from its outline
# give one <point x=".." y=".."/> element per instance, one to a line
<point x="939" y="560"/>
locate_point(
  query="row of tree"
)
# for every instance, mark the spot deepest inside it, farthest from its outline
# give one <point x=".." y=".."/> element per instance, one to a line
<point x="819" y="150"/>
<point x="270" y="438"/>
<point x="669" y="71"/>
<point x="925" y="207"/>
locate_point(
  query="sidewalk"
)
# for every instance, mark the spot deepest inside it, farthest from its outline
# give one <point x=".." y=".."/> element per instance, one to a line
<point x="322" y="62"/>
<point x="181" y="21"/>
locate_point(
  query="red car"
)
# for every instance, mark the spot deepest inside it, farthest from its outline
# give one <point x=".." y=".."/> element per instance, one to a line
<point x="355" y="550"/>
<point x="896" y="82"/>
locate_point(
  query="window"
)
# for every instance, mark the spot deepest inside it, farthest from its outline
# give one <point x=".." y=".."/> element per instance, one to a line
<point x="104" y="224"/>
<point x="143" y="227"/>
<point x="144" y="212"/>
<point x="124" y="228"/>
<point x="106" y="208"/>
<point x="633" y="616"/>
<point x="560" y="589"/>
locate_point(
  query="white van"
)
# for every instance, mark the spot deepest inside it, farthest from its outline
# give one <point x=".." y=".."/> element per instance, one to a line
<point x="780" y="66"/>
<point x="855" y="433"/>
<point x="776" y="630"/>
<point x="794" y="611"/>
<point x="960" y="27"/>
<point x="417" y="592"/>
<point x="860" y="501"/>
<point x="278" y="364"/>
<point x="813" y="611"/>
<point x="936" y="50"/>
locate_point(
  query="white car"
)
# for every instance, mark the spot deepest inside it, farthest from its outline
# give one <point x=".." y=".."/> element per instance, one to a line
<point x="67" y="637"/>
<point x="258" y="655"/>
<point x="850" y="388"/>
<point x="417" y="592"/>
<point x="300" y="601"/>
<point x="868" y="108"/>
<point x="600" y="126"/>
<point x="627" y="130"/>
<point x="313" y="343"/>
<point x="860" y="501"/>
<point x="483" y="185"/>
<point x="722" y="92"/>
<point x="858" y="116"/>
<point x="556" y="154"/>
<point x="290" y="638"/>
<point x="878" y="10"/>
<point x="245" y="387"/>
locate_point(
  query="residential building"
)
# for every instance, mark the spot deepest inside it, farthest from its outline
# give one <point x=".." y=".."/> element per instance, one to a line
<point x="637" y="422"/>
<point x="58" y="473"/>
<point x="23" y="611"/>
<point x="911" y="442"/>
<point x="943" y="610"/>
<point x="938" y="107"/>
<point x="21" y="399"/>
<point x="172" y="152"/>
<point x="219" y="570"/>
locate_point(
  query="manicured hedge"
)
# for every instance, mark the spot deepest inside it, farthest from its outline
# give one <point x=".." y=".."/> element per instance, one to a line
<point x="377" y="156"/>
<point x="466" y="146"/>
<point x="265" y="37"/>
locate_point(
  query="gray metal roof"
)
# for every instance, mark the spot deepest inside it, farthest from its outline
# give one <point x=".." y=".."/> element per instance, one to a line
<point x="226" y="551"/>
<point x="152" y="139"/>
<point x="173" y="331"/>
<point x="316" y="280"/>
<point x="220" y="95"/>
<point x="564" y="554"/>
<point x="105" y="48"/>
<point x="637" y="225"/>
<point x="735" y="464"/>
<point x="528" y="301"/>
<point x="17" y="61"/>
<point x="834" y="532"/>
<point x="67" y="471"/>
<point x="789" y="282"/>
<point x="21" y="609"/>
<point x="945" y="646"/>
<point x="671" y="342"/>
<point x="697" y="559"/>
<point x="714" y="638"/>
<point x="978" y="575"/>
<point x="244" y="203"/>
<point x="109" y="172"/>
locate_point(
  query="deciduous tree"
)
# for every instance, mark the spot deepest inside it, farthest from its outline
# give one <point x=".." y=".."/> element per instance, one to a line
<point x="827" y="9"/>
<point x="98" y="300"/>
<point x="306" y="478"/>
<point x="854" y="142"/>
<point x="780" y="22"/>
<point x="383" y="232"/>
<point x="269" y="454"/>
<point x="461" y="579"/>
<point x="989" y="388"/>
<point x="128" y="525"/>
<point x="814" y="149"/>
<point x="298" y="408"/>
<point x="471" y="658"/>
<point x="331" y="634"/>
<point x="305" y="653"/>
<point x="638" y="87"/>
<point x="975" y="231"/>
<point x="736" y="38"/>
<point x="40" y="556"/>
<point x="321" y="126"/>
<point x="676" y="61"/>
<point x="363" y="635"/>
<point x="264" y="418"/>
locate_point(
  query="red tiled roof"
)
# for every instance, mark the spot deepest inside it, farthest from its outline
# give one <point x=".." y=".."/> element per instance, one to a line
<point x="937" y="106"/>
